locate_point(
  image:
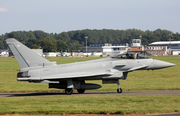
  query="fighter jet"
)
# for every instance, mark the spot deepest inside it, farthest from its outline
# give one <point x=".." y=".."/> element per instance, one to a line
<point x="37" y="69"/>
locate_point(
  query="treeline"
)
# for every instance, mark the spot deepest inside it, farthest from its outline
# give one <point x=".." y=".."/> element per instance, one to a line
<point x="73" y="40"/>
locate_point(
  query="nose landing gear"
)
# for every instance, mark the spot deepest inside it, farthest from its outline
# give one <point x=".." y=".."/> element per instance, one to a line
<point x="119" y="90"/>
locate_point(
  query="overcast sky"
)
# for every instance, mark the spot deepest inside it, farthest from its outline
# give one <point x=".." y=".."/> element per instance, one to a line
<point x="56" y="16"/>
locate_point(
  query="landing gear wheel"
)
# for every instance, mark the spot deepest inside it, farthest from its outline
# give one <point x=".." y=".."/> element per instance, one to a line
<point x="69" y="91"/>
<point x="119" y="90"/>
<point x="81" y="90"/>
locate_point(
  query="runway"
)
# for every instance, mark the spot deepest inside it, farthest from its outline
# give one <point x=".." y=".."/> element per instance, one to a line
<point x="158" y="92"/>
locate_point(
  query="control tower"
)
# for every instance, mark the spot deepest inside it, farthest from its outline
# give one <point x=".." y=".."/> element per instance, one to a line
<point x="136" y="42"/>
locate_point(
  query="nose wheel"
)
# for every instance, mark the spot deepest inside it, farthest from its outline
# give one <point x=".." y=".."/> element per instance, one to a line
<point x="119" y="90"/>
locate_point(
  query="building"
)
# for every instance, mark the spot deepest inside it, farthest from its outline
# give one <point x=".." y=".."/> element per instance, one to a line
<point x="173" y="47"/>
<point x="136" y="46"/>
<point x="52" y="54"/>
<point x="4" y="53"/>
<point x="106" y="49"/>
<point x="147" y="50"/>
<point x="156" y="50"/>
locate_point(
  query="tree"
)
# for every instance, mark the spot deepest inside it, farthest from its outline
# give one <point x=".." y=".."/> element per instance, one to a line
<point x="31" y="42"/>
<point x="34" y="46"/>
<point x="22" y="36"/>
<point x="2" y="45"/>
<point x="40" y="34"/>
<point x="176" y="37"/>
<point x="74" y="46"/>
<point x="144" y="41"/>
<point x="76" y="38"/>
<point x="63" y="36"/>
<point x="61" y="45"/>
<point x="48" y="44"/>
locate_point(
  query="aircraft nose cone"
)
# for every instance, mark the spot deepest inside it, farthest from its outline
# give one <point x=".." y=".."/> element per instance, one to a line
<point x="158" y="64"/>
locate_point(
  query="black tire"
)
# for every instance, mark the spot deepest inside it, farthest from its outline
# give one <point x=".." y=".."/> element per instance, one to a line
<point x="69" y="91"/>
<point x="80" y="90"/>
<point x="119" y="90"/>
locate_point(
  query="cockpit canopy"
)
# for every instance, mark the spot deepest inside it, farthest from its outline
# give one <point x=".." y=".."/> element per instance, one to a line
<point x="130" y="55"/>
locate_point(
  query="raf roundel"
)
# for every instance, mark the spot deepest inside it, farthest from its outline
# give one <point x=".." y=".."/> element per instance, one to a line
<point x="103" y="65"/>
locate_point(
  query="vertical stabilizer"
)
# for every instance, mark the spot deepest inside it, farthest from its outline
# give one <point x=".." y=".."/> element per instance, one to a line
<point x="25" y="56"/>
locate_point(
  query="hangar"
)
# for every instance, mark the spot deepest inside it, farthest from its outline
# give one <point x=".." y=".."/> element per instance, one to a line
<point x="173" y="47"/>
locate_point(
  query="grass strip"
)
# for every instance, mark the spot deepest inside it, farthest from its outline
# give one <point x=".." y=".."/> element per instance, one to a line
<point x="164" y="79"/>
<point x="96" y="104"/>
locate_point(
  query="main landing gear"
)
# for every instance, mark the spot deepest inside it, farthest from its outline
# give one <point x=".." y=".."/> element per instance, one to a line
<point x="69" y="91"/>
<point x="119" y="90"/>
<point x="71" y="86"/>
<point x="80" y="90"/>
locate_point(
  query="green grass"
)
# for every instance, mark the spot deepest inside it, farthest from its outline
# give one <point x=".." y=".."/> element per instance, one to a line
<point x="96" y="104"/>
<point x="164" y="79"/>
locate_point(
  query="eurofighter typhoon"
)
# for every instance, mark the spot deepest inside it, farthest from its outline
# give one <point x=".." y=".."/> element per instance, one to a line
<point x="37" y="69"/>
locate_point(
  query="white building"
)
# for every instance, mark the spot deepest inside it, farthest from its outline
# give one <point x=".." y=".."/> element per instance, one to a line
<point x="52" y="54"/>
<point x="156" y="50"/>
<point x="173" y="47"/>
<point x="4" y="53"/>
<point x="106" y="49"/>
